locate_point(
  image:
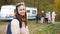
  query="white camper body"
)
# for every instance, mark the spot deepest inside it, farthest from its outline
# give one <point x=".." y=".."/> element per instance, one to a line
<point x="7" y="12"/>
<point x="31" y="12"/>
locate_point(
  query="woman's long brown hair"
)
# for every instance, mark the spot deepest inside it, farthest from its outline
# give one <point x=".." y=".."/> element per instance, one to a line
<point x="19" y="17"/>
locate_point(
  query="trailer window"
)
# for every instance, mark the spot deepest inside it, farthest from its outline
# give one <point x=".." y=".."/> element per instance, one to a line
<point x="28" y="11"/>
<point x="33" y="11"/>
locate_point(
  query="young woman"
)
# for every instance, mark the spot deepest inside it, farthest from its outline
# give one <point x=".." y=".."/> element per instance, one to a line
<point x="19" y="23"/>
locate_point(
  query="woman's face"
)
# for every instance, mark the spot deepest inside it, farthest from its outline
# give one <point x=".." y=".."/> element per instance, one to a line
<point x="21" y="10"/>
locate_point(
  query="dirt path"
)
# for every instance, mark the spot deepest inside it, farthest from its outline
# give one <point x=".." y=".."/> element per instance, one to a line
<point x="3" y="28"/>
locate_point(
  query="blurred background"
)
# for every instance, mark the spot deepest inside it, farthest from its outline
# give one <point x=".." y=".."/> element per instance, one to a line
<point x="50" y="5"/>
<point x="38" y="5"/>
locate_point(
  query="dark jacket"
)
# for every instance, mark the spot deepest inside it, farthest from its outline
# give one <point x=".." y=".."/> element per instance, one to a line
<point x="41" y="15"/>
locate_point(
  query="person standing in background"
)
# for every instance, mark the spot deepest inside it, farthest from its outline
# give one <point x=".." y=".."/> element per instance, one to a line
<point x="46" y="17"/>
<point x="49" y="17"/>
<point x="37" y="18"/>
<point x="53" y="17"/>
<point x="42" y="16"/>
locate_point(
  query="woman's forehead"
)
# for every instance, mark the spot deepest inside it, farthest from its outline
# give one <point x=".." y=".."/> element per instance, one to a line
<point x="21" y="6"/>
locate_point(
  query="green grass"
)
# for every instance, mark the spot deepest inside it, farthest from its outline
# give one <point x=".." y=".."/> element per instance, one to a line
<point x="38" y="28"/>
<point x="51" y="29"/>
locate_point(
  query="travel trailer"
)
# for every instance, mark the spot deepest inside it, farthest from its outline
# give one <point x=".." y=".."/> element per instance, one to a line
<point x="7" y="12"/>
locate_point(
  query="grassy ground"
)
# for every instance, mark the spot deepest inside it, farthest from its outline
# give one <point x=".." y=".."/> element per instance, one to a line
<point x="36" y="28"/>
<point x="33" y="27"/>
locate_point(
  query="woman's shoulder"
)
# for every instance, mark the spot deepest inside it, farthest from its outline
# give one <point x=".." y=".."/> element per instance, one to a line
<point x="14" y="21"/>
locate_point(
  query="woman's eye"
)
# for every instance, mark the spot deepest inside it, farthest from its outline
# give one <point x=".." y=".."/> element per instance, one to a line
<point x="21" y="9"/>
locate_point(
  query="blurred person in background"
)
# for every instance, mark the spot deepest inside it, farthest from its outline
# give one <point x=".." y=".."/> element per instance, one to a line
<point x="46" y="17"/>
<point x="37" y="18"/>
<point x="42" y="16"/>
<point x="53" y="17"/>
<point x="49" y="17"/>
